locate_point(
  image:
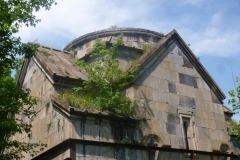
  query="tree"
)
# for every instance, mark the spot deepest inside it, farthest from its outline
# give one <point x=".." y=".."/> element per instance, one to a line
<point x="106" y="81"/>
<point x="14" y="100"/>
<point x="235" y="101"/>
<point x="235" y="96"/>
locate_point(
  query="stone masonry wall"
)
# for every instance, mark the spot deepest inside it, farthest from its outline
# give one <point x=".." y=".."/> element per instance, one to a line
<point x="49" y="126"/>
<point x="133" y="46"/>
<point x="170" y="88"/>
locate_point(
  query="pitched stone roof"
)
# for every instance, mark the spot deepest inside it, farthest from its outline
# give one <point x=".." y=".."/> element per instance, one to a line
<point x="227" y="110"/>
<point x="59" y="63"/>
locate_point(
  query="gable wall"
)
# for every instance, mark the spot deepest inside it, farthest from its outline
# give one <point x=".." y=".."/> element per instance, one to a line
<point x="49" y="126"/>
<point x="171" y="87"/>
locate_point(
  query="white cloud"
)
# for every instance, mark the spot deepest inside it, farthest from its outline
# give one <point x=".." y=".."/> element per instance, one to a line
<point x="70" y="19"/>
<point x="215" y="42"/>
<point x="81" y="17"/>
<point x="214" y="39"/>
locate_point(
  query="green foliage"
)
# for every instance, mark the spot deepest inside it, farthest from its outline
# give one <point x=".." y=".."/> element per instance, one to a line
<point x="106" y="81"/>
<point x="147" y="48"/>
<point x="113" y="27"/>
<point x="72" y="99"/>
<point x="235" y="96"/>
<point x="14" y="14"/>
<point x="16" y="101"/>
<point x="235" y="129"/>
<point x="127" y="140"/>
<point x="34" y="71"/>
<point x="66" y="71"/>
<point x="46" y="53"/>
<point x="72" y="52"/>
<point x="235" y="101"/>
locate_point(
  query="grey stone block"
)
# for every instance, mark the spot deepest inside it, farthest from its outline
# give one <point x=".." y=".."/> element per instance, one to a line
<point x="206" y="95"/>
<point x="172" y="87"/>
<point x="173" y="99"/>
<point x="198" y="121"/>
<point x="188" y="80"/>
<point x="91" y="132"/>
<point x="174" y="141"/>
<point x="187" y="63"/>
<point x="178" y="60"/>
<point x="171" y="128"/>
<point x="106" y="134"/>
<point x="172" y="109"/>
<point x="214" y="98"/>
<point x="172" y="118"/>
<point x="202" y="132"/>
<point x="171" y="76"/>
<point x="174" y="128"/>
<point x="187" y="102"/>
<point x="204" y="144"/>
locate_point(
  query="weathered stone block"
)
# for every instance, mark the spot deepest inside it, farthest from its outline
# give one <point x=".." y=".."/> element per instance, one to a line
<point x="142" y="92"/>
<point x="206" y="95"/>
<point x="106" y="134"/>
<point x="171" y="128"/>
<point x="106" y="152"/>
<point x="159" y="115"/>
<point x="178" y="60"/>
<point x="202" y="132"/>
<point x="151" y="82"/>
<point x="190" y="91"/>
<point x="189" y="71"/>
<point x="180" y="89"/>
<point x="215" y="134"/>
<point x="173" y="99"/>
<point x="205" y="86"/>
<point x="162" y="106"/>
<point x="188" y="80"/>
<point x="165" y="65"/>
<point x="161" y="127"/>
<point x="205" y="157"/>
<point x="173" y="67"/>
<point x="187" y="102"/>
<point x="180" y="69"/>
<point x="77" y="129"/>
<point x="172" y="118"/>
<point x="174" y="141"/>
<point x="207" y="115"/>
<point x="181" y="142"/>
<point x="198" y="113"/>
<point x="171" y="76"/>
<point x="204" y="144"/>
<point x="163" y="85"/>
<point x="161" y="96"/>
<point x="214" y="98"/>
<point x="172" y="87"/>
<point x="172" y="109"/>
<point x="187" y="63"/>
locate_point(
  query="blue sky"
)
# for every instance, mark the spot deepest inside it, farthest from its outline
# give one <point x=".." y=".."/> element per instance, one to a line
<point x="211" y="27"/>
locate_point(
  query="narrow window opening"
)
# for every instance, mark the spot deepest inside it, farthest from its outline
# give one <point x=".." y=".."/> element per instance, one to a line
<point x="185" y="134"/>
<point x="186" y="122"/>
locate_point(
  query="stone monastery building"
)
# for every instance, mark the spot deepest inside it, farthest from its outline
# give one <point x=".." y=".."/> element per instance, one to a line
<point x="185" y="118"/>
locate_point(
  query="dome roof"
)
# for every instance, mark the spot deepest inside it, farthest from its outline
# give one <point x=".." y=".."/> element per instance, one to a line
<point x="136" y="32"/>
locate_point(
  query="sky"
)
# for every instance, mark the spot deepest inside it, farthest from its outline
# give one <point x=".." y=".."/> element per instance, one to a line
<point x="211" y="27"/>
